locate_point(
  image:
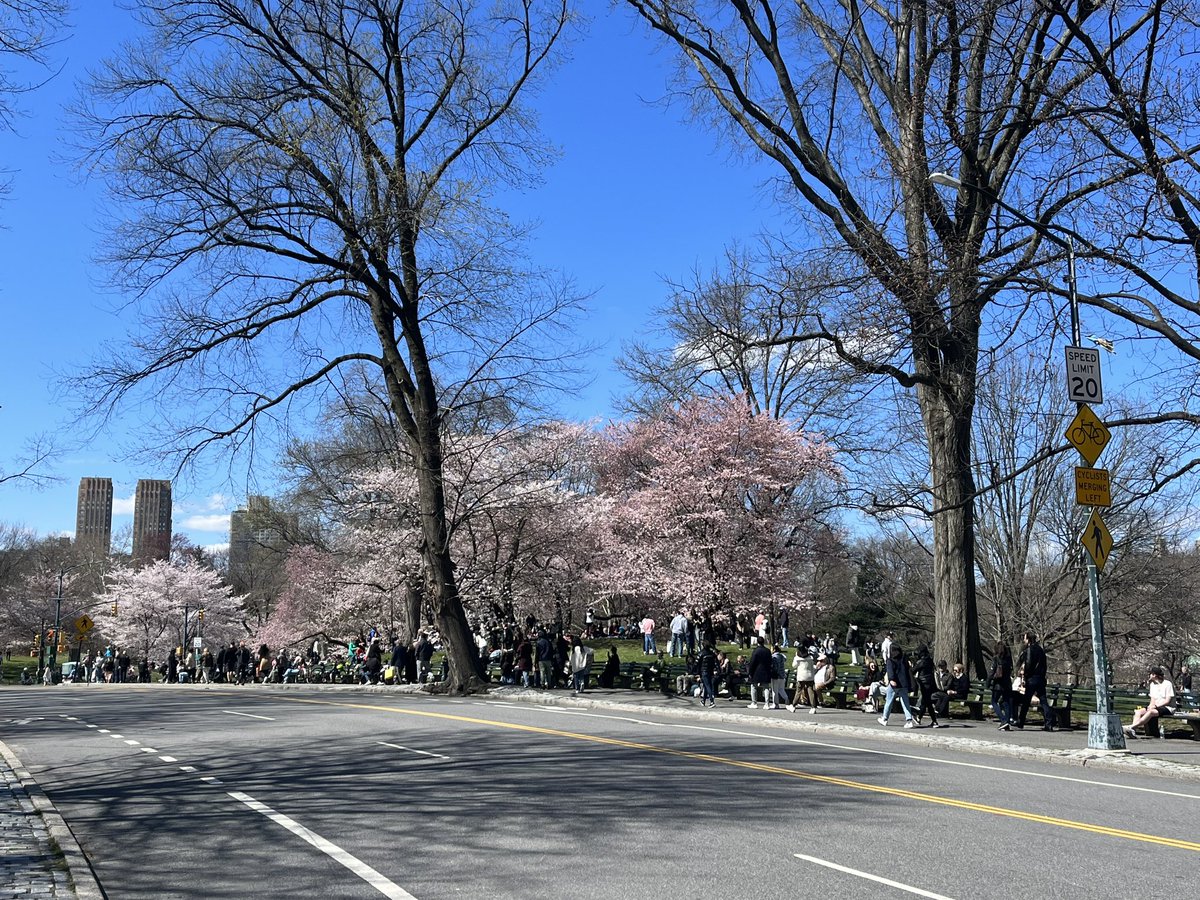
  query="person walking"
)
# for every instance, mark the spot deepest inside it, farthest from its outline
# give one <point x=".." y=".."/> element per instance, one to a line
<point x="923" y="672"/>
<point x="760" y="673"/>
<point x="899" y="685"/>
<point x="580" y="661"/>
<point x="708" y="671"/>
<point x="1001" y="681"/>
<point x="1033" y="661"/>
<point x="777" y="697"/>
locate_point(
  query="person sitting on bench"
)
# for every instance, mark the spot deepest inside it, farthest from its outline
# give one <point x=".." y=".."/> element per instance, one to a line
<point x="1162" y="699"/>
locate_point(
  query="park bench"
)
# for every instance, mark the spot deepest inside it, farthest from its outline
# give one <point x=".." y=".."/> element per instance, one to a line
<point x="1187" y="709"/>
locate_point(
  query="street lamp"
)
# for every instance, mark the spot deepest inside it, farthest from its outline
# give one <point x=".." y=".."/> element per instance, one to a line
<point x="1104" y="727"/>
<point x="62" y="573"/>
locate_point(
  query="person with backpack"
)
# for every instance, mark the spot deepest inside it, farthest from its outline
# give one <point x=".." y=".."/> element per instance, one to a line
<point x="778" y="696"/>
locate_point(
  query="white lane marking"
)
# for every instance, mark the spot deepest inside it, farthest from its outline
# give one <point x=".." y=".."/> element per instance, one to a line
<point x="104" y="731"/>
<point x="234" y="712"/>
<point x="210" y="779"/>
<point x="132" y="743"/>
<point x="580" y="712"/>
<point x="876" y="878"/>
<point x="116" y="735"/>
<point x="93" y="726"/>
<point x="71" y="719"/>
<point x="187" y="768"/>
<point x="372" y="877"/>
<point x="147" y="749"/>
<point x="411" y="750"/>
<point x="913" y="756"/>
<point x="168" y="759"/>
<point x="494" y="703"/>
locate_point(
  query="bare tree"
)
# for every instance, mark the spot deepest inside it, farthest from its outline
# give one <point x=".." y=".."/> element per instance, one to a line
<point x="857" y="106"/>
<point x="307" y="187"/>
<point x="28" y="28"/>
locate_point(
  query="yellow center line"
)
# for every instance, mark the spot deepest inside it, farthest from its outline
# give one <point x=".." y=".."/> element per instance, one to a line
<point x="1175" y="843"/>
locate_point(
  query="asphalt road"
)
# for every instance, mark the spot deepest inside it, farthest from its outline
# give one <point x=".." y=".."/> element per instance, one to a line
<point x="227" y="792"/>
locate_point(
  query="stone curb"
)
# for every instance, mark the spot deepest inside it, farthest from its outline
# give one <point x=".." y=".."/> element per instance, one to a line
<point x="82" y="880"/>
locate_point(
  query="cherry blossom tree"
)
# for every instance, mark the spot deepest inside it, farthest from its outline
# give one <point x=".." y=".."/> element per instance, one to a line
<point x="705" y="504"/>
<point x="151" y="603"/>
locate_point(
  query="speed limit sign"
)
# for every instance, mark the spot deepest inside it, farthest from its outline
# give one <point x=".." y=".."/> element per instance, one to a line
<point x="1083" y="376"/>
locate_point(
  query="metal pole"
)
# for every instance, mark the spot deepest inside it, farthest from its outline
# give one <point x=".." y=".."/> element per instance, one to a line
<point x="57" y="626"/>
<point x="1104" y="728"/>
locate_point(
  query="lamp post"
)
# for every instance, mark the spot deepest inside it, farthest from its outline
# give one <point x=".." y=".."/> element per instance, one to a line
<point x="62" y="573"/>
<point x="1104" y="726"/>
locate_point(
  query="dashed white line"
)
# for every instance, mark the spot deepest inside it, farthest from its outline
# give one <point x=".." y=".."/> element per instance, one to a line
<point x="234" y="712"/>
<point x="187" y="768"/>
<point x="876" y="878"/>
<point x="147" y="749"/>
<point x="116" y="735"/>
<point x="411" y="750"/>
<point x="132" y="743"/>
<point x="168" y="759"/>
<point x="209" y="778"/>
<point x="93" y="726"/>
<point x="371" y="876"/>
<point x="104" y="731"/>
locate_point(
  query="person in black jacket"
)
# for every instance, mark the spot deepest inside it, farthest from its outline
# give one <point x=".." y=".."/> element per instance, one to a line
<point x="899" y="686"/>
<point x="923" y="671"/>
<point x="708" y="672"/>
<point x="1033" y="658"/>
<point x="760" y="673"/>
<point x="1001" y="681"/>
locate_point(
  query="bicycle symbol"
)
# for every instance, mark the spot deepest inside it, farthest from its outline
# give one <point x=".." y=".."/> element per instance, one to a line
<point x="1088" y="433"/>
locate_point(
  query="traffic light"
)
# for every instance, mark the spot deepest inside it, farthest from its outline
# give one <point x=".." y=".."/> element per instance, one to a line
<point x="114" y="611"/>
<point x="200" y="615"/>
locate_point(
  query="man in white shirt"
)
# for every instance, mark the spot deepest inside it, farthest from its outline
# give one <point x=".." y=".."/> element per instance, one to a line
<point x="679" y="627"/>
<point x="1162" y="701"/>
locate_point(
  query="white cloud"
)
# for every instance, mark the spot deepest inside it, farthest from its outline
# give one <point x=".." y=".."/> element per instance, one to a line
<point x="123" y="506"/>
<point x="216" y="522"/>
<point x="215" y="548"/>
<point x="217" y="503"/>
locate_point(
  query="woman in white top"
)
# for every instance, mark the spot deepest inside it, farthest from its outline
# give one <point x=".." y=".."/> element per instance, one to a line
<point x="1162" y="700"/>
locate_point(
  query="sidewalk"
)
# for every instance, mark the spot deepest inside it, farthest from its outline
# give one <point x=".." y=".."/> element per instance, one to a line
<point x="38" y="854"/>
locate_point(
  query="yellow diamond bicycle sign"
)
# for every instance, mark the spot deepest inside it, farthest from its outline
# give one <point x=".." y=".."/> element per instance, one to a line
<point x="1088" y="435"/>
<point x="1097" y="540"/>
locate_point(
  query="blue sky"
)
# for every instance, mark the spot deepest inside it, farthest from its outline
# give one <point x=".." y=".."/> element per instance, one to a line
<point x="638" y="195"/>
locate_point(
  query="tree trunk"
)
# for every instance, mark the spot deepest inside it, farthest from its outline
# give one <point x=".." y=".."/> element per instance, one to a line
<point x="948" y="432"/>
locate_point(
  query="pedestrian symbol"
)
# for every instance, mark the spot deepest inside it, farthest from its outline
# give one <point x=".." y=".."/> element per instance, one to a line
<point x="1097" y="540"/>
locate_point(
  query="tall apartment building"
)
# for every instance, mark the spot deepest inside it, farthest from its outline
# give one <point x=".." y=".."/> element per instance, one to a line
<point x="93" y="515"/>
<point x="152" y="520"/>
<point x="250" y="530"/>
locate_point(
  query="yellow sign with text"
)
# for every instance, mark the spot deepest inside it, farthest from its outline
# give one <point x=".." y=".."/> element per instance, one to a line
<point x="1092" y="487"/>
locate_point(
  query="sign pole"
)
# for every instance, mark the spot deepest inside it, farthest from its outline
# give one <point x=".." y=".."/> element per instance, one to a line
<point x="1104" y="727"/>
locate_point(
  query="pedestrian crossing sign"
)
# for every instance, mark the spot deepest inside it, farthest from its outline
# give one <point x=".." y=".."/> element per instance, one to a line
<point x="1097" y="540"/>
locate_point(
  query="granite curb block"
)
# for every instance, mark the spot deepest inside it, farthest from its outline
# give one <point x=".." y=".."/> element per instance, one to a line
<point x="1116" y="761"/>
<point x="82" y="881"/>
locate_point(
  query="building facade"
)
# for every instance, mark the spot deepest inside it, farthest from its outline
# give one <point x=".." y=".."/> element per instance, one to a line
<point x="93" y="515"/>
<point x="152" y="520"/>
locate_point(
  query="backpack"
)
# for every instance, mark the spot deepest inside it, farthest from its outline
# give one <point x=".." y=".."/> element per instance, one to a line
<point x="778" y="666"/>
